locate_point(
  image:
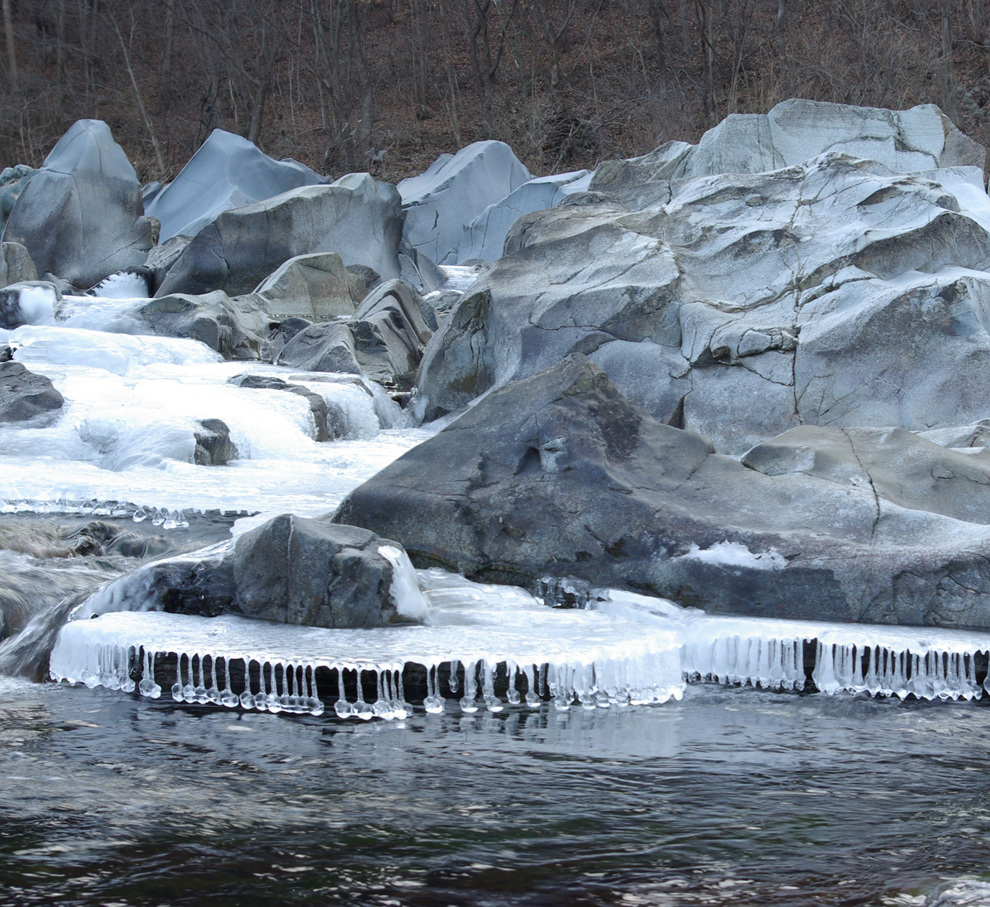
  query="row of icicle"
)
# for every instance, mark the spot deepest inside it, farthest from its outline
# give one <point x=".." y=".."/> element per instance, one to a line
<point x="778" y="664"/>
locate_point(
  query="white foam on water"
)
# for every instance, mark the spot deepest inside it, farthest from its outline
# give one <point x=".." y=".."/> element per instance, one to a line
<point x="37" y="304"/>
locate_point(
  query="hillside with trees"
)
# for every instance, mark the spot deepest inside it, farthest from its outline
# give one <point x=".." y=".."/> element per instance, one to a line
<point x="387" y="85"/>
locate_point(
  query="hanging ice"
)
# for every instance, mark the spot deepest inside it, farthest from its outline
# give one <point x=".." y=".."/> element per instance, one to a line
<point x="497" y="646"/>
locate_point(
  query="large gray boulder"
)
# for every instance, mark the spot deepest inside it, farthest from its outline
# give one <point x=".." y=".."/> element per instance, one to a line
<point x="288" y="570"/>
<point x="905" y="141"/>
<point x="453" y="191"/>
<point x="486" y="234"/>
<point x="383" y="340"/>
<point x="226" y="172"/>
<point x="81" y="216"/>
<point x="316" y="287"/>
<point x="237" y="328"/>
<point x="558" y="475"/>
<point x="357" y="217"/>
<point x="25" y="395"/>
<point x="741" y="305"/>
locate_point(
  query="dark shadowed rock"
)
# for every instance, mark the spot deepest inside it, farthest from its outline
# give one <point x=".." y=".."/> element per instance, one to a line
<point x="81" y="216"/>
<point x="213" y="444"/>
<point x="24" y="395"/>
<point x="558" y="475"/>
<point x="299" y="571"/>
<point x="383" y="340"/>
<point x="288" y="570"/>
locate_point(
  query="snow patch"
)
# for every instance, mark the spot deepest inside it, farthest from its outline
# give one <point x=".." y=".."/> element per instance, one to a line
<point x="735" y="554"/>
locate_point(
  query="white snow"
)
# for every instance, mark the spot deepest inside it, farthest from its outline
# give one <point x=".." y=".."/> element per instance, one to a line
<point x="736" y="554"/>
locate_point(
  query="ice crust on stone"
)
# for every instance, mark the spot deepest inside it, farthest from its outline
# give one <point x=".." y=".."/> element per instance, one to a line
<point x="495" y="637"/>
<point x="125" y="439"/>
<point x="496" y="647"/>
<point x="409" y="599"/>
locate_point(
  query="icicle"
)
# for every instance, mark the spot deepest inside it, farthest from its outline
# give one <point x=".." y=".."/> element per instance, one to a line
<point x="213" y="691"/>
<point x="247" y="697"/>
<point x="433" y="703"/>
<point x="228" y="697"/>
<point x="492" y="702"/>
<point x="400" y="693"/>
<point x="824" y="674"/>
<point x="361" y="709"/>
<point x="512" y="676"/>
<point x="453" y="683"/>
<point x="469" y="701"/>
<point x="532" y="697"/>
<point x="177" y="686"/>
<point x="148" y="687"/>
<point x="561" y="687"/>
<point x="382" y="707"/>
<point x="199" y="689"/>
<point x="342" y="706"/>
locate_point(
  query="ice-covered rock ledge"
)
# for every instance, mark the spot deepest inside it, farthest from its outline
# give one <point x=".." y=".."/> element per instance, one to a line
<point x="495" y="646"/>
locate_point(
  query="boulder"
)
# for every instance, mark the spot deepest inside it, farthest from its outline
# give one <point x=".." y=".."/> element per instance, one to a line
<point x="162" y="257"/>
<point x="558" y="475"/>
<point x="15" y="264"/>
<point x="226" y="172"/>
<point x="24" y="394"/>
<point x="741" y="305"/>
<point x="486" y="234"/>
<point x="453" y="191"/>
<point x="288" y="570"/>
<point x="905" y="141"/>
<point x="316" y="287"/>
<point x="357" y="217"/>
<point x="81" y="216"/>
<point x="213" y="444"/>
<point x="383" y="341"/>
<point x="324" y="347"/>
<point x="236" y="328"/>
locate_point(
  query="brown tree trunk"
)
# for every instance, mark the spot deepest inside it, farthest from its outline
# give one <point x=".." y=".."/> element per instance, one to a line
<point x="8" y="27"/>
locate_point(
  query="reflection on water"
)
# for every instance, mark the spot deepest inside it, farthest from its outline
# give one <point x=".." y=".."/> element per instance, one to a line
<point x="729" y="797"/>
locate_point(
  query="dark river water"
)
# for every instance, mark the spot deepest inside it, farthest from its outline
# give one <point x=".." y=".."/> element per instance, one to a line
<point x="729" y="797"/>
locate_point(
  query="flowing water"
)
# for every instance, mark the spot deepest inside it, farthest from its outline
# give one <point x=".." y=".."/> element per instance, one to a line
<point x="729" y="796"/>
<point x="713" y="794"/>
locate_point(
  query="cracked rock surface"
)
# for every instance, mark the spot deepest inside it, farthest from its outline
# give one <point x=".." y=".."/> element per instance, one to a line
<point x="559" y="475"/>
<point x="834" y="291"/>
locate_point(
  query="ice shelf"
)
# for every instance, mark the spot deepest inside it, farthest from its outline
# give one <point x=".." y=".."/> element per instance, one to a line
<point x="496" y="646"/>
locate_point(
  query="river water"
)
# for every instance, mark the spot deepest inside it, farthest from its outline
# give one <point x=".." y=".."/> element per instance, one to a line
<point x="729" y="795"/>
